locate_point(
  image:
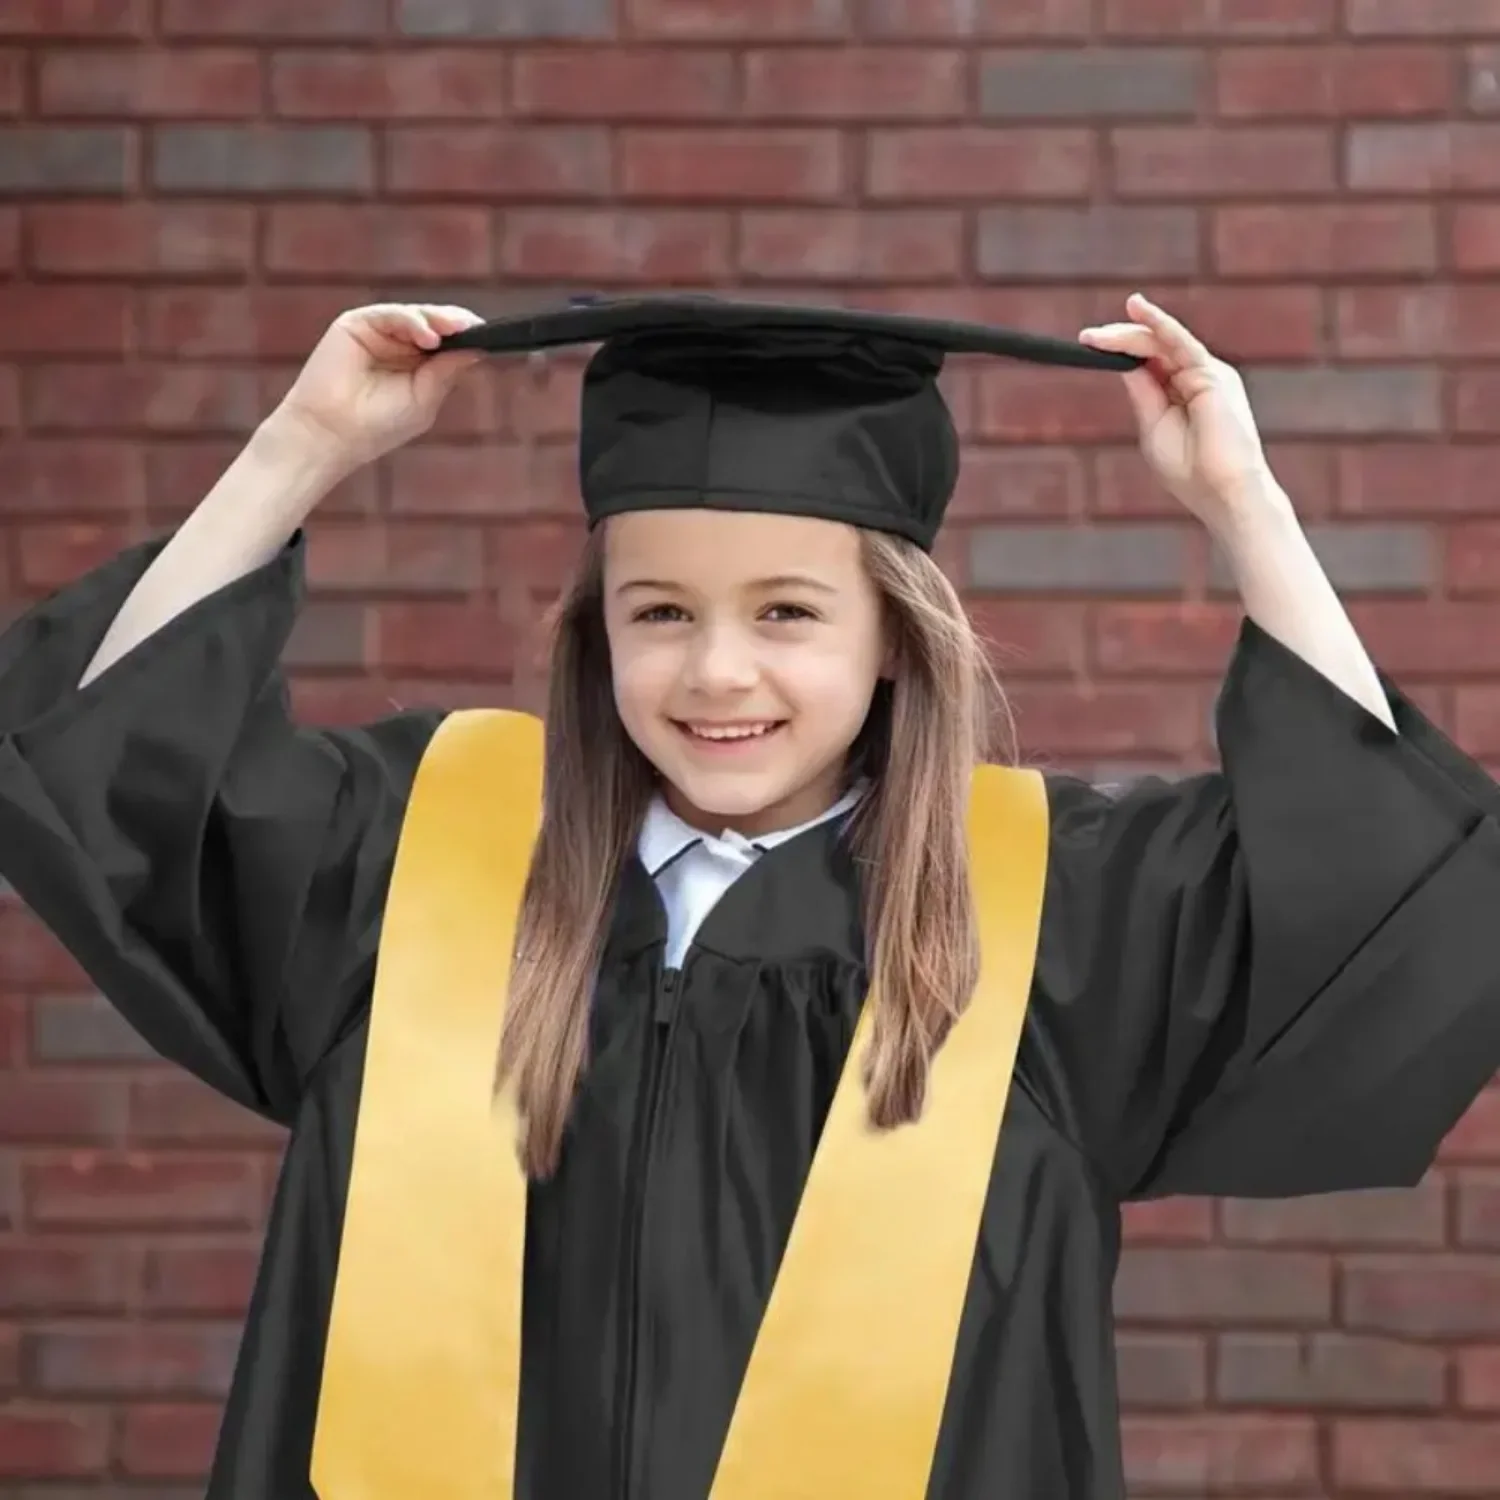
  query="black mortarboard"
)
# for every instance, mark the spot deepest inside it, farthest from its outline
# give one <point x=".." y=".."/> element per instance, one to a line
<point x="701" y="402"/>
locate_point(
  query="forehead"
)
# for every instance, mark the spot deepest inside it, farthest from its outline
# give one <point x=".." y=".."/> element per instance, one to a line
<point x="720" y="547"/>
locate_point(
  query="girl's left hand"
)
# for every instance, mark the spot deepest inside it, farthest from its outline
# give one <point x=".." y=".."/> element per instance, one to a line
<point x="1196" y="427"/>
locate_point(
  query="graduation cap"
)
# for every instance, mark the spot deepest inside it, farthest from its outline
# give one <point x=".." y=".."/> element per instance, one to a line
<point x="702" y="402"/>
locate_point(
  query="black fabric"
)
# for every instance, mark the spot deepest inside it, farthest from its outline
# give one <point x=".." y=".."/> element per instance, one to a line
<point x="1276" y="980"/>
<point x="694" y="402"/>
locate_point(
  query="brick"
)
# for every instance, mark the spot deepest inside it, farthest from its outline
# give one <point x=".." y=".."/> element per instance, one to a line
<point x="60" y="1278"/>
<point x="1396" y="1457"/>
<point x="1176" y="639"/>
<point x="1425" y="1297"/>
<point x="1102" y="83"/>
<point x="1242" y="1286"/>
<point x="1337" y="82"/>
<point x="978" y="162"/>
<point x="432" y="638"/>
<point x="1246" y="19"/>
<point x="766" y="165"/>
<point x="140" y="239"/>
<point x="505" y="18"/>
<point x="452" y="480"/>
<point x="84" y="18"/>
<point x="12" y="1033"/>
<point x="629" y="83"/>
<point x="134" y="1361"/>
<point x="10" y="1189"/>
<point x="1432" y="157"/>
<point x="211" y="323"/>
<point x="58" y="1441"/>
<point x="1027" y="639"/>
<point x="160" y="398"/>
<point x="1476" y="236"/>
<point x="1169" y="161"/>
<point x="1100" y="240"/>
<point x="1042" y="404"/>
<point x="83" y="1029"/>
<point x="851" y="245"/>
<point x="1024" y="20"/>
<point x="184" y="82"/>
<point x="1477" y="729"/>
<point x="739" y="20"/>
<point x="95" y="1190"/>
<point x="10" y="240"/>
<point x="1345" y="401"/>
<point x="10" y="1360"/>
<point x="1412" y="322"/>
<point x="30" y="957"/>
<point x="1063" y="559"/>
<point x="329" y="635"/>
<point x="263" y="159"/>
<point x="177" y="1109"/>
<point x="64" y="320"/>
<point x="1434" y="637"/>
<point x="1479" y="1379"/>
<point x="856" y="83"/>
<point x="1161" y="1371"/>
<point x="499" y="162"/>
<point x="1414" y="18"/>
<point x="1415" y="478"/>
<point x="1018" y="484"/>
<point x="378" y="240"/>
<point x="45" y="1109"/>
<point x="260" y="19"/>
<point x="434" y="83"/>
<point x="1327" y="1370"/>
<point x="1482" y="80"/>
<point x="1209" y="1454"/>
<point x="168" y="1442"/>
<point x="83" y="477"/>
<point x="1245" y="323"/>
<point x="1409" y="1217"/>
<point x="1335" y="239"/>
<point x="1108" y="722"/>
<point x="1478" y="1204"/>
<point x="200" y="1280"/>
<point x="181" y="472"/>
<point x="1378" y="559"/>
<point x="661" y="246"/>
<point x="13" y="81"/>
<point x="62" y="159"/>
<point x="396" y="557"/>
<point x="1474" y="400"/>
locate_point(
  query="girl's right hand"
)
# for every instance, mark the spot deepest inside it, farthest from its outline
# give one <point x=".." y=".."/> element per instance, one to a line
<point x="372" y="383"/>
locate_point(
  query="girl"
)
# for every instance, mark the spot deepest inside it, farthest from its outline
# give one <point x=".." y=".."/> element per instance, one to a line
<point x="765" y="709"/>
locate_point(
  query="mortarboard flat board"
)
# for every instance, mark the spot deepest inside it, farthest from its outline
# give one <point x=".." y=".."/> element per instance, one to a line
<point x="704" y="402"/>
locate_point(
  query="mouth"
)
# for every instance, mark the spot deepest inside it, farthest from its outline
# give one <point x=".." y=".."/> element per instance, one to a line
<point x="728" y="736"/>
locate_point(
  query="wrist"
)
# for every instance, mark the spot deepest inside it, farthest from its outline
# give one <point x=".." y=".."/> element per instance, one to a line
<point x="1252" y="510"/>
<point x="299" y="454"/>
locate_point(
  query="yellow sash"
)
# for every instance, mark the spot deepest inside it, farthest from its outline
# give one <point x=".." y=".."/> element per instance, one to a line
<point x="845" y="1389"/>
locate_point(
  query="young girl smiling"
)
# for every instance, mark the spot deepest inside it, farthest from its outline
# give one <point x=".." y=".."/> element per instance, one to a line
<point x="763" y="802"/>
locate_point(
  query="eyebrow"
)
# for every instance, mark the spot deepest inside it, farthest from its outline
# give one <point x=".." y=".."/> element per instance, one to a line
<point x="779" y="581"/>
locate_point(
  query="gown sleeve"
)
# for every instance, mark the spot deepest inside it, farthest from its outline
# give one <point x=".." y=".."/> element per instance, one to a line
<point x="216" y="870"/>
<point x="1282" y="978"/>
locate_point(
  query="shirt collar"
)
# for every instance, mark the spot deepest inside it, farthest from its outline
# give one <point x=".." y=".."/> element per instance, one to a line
<point x="664" y="836"/>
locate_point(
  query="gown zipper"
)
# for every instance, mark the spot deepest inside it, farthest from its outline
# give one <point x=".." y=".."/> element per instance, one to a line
<point x="664" y="1014"/>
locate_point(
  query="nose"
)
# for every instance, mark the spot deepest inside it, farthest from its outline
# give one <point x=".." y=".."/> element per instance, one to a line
<point x="720" y="660"/>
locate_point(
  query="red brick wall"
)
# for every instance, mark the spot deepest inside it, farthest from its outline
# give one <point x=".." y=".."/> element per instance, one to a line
<point x="191" y="188"/>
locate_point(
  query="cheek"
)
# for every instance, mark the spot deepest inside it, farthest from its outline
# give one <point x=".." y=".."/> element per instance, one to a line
<point x="642" y="675"/>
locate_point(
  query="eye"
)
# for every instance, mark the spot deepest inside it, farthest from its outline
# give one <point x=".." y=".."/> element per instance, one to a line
<point x="786" y="614"/>
<point x="658" y="614"/>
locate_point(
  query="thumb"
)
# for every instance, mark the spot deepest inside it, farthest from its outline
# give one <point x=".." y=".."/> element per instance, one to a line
<point x="1147" y="398"/>
<point x="439" y="373"/>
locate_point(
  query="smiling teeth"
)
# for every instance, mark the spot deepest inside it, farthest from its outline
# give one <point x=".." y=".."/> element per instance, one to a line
<point x="735" y="732"/>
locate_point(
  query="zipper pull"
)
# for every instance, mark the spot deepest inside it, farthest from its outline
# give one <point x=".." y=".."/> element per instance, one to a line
<point x="666" y="996"/>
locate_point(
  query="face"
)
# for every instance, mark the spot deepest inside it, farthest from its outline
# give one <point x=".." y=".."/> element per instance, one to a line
<point x="745" y="650"/>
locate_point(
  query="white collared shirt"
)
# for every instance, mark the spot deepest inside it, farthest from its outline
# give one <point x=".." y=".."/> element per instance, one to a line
<point x="692" y="869"/>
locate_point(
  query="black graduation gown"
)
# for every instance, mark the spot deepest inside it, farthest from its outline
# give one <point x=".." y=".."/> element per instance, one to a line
<point x="1278" y="980"/>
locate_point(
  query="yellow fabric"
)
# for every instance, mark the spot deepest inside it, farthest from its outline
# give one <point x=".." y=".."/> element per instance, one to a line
<point x="846" y="1385"/>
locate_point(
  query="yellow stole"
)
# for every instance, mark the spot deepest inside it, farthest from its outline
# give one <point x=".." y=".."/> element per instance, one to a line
<point x="845" y="1389"/>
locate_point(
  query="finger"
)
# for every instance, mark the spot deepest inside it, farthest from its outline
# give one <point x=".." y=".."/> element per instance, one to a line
<point x="1181" y="346"/>
<point x="1123" y="338"/>
<point x="1148" y="398"/>
<point x="451" y="319"/>
<point x="406" y="324"/>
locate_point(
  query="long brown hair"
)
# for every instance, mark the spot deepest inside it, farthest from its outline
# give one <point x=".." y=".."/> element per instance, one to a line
<point x="927" y="729"/>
